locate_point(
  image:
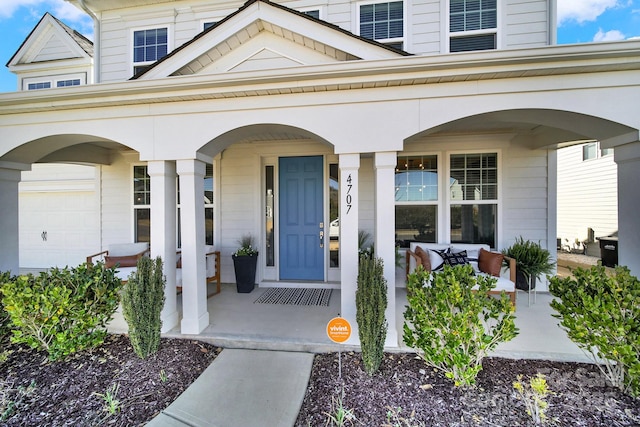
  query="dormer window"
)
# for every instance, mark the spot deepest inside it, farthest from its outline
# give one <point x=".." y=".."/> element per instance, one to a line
<point x="472" y="25"/>
<point x="383" y="22"/>
<point x="148" y="47"/>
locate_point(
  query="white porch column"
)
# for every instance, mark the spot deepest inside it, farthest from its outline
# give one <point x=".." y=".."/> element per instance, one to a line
<point x="9" y="216"/>
<point x="163" y="233"/>
<point x="385" y="244"/>
<point x="349" y="165"/>
<point x="195" y="316"/>
<point x="628" y="159"/>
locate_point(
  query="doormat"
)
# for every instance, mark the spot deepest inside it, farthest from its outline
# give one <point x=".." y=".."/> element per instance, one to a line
<point x="295" y="296"/>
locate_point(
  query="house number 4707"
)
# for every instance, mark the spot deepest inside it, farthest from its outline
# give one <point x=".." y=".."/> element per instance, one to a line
<point x="348" y="197"/>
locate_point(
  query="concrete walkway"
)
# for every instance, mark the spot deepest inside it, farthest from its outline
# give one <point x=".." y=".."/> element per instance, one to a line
<point x="243" y="388"/>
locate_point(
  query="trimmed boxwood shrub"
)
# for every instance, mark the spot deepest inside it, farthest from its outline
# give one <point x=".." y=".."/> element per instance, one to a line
<point x="453" y="327"/>
<point x="62" y="311"/>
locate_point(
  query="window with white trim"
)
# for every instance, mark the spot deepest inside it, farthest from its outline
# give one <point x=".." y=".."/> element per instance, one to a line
<point x="473" y="198"/>
<point x="416" y="194"/>
<point x="149" y="46"/>
<point x="39" y="85"/>
<point x="593" y="150"/>
<point x="382" y="22"/>
<point x="67" y="83"/>
<point x="472" y="25"/>
<point x="141" y="204"/>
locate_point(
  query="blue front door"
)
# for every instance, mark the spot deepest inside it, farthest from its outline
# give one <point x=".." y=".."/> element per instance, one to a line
<point x="301" y="218"/>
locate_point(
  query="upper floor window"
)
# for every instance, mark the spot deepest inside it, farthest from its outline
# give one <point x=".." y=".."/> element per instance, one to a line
<point x="472" y="25"/>
<point x="66" y="83"/>
<point x="383" y="22"/>
<point x="149" y="46"/>
<point x="39" y="85"/>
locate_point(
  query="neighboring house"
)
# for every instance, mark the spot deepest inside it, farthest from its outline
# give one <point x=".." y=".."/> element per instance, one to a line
<point x="587" y="195"/>
<point x="433" y="120"/>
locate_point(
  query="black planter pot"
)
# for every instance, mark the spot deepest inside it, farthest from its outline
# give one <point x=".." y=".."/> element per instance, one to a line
<point x="522" y="283"/>
<point x="245" y="267"/>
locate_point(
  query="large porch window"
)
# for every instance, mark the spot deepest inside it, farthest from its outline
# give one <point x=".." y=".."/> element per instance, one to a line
<point x="471" y="202"/>
<point x="473" y="194"/>
<point x="416" y="186"/>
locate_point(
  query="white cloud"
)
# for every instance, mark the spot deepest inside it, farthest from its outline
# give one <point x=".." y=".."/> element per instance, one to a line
<point x="58" y="8"/>
<point x="609" y="36"/>
<point x="584" y="10"/>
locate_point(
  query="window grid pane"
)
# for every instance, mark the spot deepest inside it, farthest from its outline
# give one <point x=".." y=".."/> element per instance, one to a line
<point x="471" y="15"/>
<point x="416" y="223"/>
<point x="474" y="176"/>
<point x="474" y="224"/>
<point x="141" y="186"/>
<point x="150" y="45"/>
<point x="416" y="178"/>
<point x="382" y="21"/>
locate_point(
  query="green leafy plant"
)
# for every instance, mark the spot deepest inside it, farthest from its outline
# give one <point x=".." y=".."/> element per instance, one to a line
<point x="452" y="325"/>
<point x="339" y="415"/>
<point x="531" y="259"/>
<point x="12" y="398"/>
<point x="600" y="313"/>
<point x="62" y="311"/>
<point x="534" y="395"/>
<point x="110" y="399"/>
<point x="371" y="303"/>
<point x="163" y="376"/>
<point x="246" y="246"/>
<point x="5" y="320"/>
<point x="365" y="244"/>
<point x="142" y="302"/>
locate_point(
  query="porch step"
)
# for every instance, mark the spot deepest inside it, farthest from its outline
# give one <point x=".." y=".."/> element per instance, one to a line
<point x="238" y="389"/>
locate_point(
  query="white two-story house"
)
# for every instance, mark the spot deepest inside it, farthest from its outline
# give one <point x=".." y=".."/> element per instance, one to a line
<point x="302" y="122"/>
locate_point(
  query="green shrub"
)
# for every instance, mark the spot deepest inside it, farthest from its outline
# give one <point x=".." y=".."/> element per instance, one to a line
<point x="142" y="302"/>
<point x="453" y="327"/>
<point x="371" y="303"/>
<point x="5" y="320"/>
<point x="62" y="311"/>
<point x="600" y="313"/>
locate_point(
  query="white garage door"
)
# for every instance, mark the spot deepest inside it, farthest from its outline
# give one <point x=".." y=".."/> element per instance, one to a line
<point x="58" y="229"/>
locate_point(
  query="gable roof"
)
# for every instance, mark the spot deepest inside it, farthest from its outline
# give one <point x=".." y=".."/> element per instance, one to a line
<point x="289" y="38"/>
<point x="64" y="43"/>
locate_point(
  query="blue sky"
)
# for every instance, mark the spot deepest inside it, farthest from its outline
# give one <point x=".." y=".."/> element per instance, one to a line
<point x="579" y="21"/>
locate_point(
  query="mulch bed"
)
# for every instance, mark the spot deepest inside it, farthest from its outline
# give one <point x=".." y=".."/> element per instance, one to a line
<point x="70" y="392"/>
<point x="405" y="392"/>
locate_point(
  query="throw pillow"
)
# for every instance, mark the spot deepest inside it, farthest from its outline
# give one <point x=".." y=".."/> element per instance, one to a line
<point x="437" y="259"/>
<point x="424" y="258"/>
<point x="453" y="259"/>
<point x="490" y="262"/>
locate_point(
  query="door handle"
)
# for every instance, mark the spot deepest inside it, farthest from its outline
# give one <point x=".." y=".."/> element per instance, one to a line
<point x="322" y="238"/>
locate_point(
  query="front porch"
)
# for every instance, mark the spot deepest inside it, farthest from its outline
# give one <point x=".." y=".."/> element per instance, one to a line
<point x="237" y="322"/>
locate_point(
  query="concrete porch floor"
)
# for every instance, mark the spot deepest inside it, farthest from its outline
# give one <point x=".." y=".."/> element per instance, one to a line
<point x="237" y="322"/>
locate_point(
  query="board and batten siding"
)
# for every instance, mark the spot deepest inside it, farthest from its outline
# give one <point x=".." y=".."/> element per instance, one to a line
<point x="587" y="195"/>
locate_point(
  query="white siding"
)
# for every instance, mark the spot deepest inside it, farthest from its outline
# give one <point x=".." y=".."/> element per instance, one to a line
<point x="525" y="208"/>
<point x="53" y="49"/>
<point x="587" y="195"/>
<point x="527" y="24"/>
<point x="117" y="201"/>
<point x="424" y="26"/>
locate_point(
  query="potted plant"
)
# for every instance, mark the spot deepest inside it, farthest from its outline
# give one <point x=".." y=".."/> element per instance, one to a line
<point x="245" y="260"/>
<point x="532" y="261"/>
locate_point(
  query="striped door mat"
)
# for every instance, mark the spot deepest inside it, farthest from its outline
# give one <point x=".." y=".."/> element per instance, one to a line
<point x="297" y="296"/>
